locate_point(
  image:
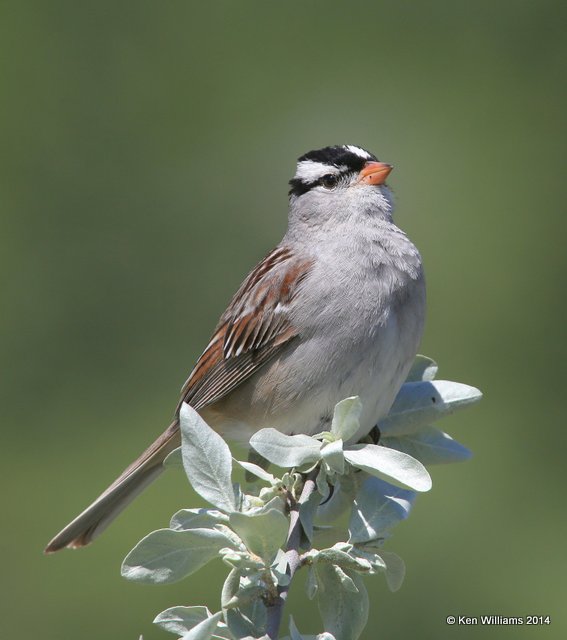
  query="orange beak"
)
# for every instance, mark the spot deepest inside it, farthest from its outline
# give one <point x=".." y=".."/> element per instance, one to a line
<point x="375" y="173"/>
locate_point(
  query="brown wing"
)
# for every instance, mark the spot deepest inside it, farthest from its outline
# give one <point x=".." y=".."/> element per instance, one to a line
<point x="252" y="330"/>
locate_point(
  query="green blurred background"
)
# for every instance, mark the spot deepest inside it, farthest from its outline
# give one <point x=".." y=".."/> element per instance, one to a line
<point x="145" y="152"/>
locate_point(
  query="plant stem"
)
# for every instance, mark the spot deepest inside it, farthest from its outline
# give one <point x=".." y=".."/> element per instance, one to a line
<point x="275" y="611"/>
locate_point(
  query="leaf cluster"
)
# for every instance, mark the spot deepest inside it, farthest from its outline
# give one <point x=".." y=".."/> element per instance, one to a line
<point x="250" y="528"/>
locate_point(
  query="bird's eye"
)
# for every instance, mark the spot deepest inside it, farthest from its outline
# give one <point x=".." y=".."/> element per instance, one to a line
<point x="330" y="181"/>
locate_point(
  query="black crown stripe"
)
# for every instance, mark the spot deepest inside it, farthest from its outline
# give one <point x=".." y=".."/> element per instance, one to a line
<point x="336" y="155"/>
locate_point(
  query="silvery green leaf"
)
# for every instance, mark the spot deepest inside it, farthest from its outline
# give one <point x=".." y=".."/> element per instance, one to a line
<point x="377" y="507"/>
<point x="307" y="511"/>
<point x="247" y="595"/>
<point x="375" y="560"/>
<point x="285" y="451"/>
<point x="322" y="484"/>
<point x="344" y="612"/>
<point x="395" y="569"/>
<point x="346" y="418"/>
<point x="168" y="556"/>
<point x="265" y="495"/>
<point x="339" y="555"/>
<point x="257" y="471"/>
<point x="240" y="626"/>
<point x="346" y="581"/>
<point x="277" y="503"/>
<point x="205" y="629"/>
<point x="429" y="445"/>
<point x="230" y="587"/>
<point x="311" y="586"/>
<point x="332" y="454"/>
<point x="207" y="460"/>
<point x="197" y="519"/>
<point x="280" y="561"/>
<point x="256" y="502"/>
<point x="279" y="569"/>
<point x="262" y="533"/>
<point x="181" y="619"/>
<point x="423" y="369"/>
<point x="343" y="495"/>
<point x="390" y="465"/>
<point x="255" y="612"/>
<point x="420" y="403"/>
<point x="174" y="459"/>
<point x="343" y="546"/>
<point x="244" y="561"/>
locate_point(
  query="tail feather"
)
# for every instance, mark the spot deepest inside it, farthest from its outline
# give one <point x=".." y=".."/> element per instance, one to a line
<point x="96" y="517"/>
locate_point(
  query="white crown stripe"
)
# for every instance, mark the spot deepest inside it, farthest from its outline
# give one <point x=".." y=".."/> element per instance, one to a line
<point x="357" y="151"/>
<point x="310" y="171"/>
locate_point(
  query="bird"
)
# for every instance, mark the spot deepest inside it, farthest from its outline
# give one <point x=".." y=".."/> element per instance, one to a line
<point x="335" y="310"/>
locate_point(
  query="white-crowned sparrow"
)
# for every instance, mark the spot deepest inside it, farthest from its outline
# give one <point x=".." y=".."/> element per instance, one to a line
<point x="335" y="310"/>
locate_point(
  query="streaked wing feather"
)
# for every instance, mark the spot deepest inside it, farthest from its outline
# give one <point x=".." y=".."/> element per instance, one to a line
<point x="228" y="374"/>
<point x="253" y="329"/>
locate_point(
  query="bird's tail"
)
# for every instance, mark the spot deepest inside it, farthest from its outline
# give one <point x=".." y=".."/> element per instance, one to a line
<point x="96" y="517"/>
